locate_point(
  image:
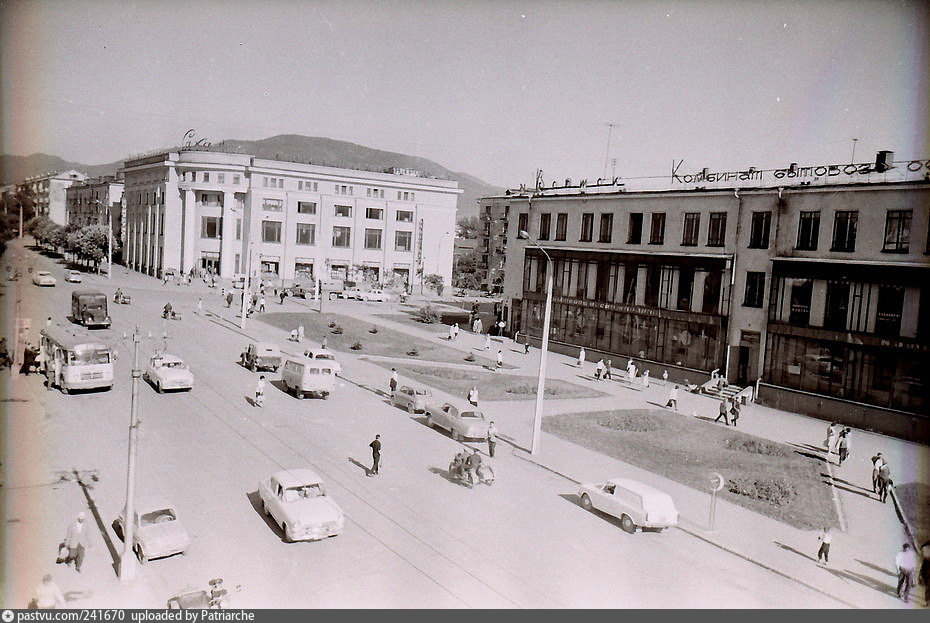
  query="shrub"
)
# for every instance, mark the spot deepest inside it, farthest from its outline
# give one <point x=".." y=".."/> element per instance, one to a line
<point x="413" y="352"/>
<point x="470" y="357"/>
<point x="333" y="325"/>
<point x="754" y="446"/>
<point x="373" y="330"/>
<point x="426" y="314"/>
<point x="629" y="422"/>
<point x="777" y="491"/>
<point x="337" y="330"/>
<point x="356" y="346"/>
<point x="435" y="282"/>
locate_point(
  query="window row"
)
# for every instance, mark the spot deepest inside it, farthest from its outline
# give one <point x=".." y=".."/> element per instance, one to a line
<point x="896" y="237"/>
<point x="310" y="207"/>
<point x="208" y="176"/>
<point x="342" y="236"/>
<point x="716" y="232"/>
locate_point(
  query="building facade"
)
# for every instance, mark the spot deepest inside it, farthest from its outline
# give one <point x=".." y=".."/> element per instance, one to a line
<point x="96" y="201"/>
<point x="820" y="295"/>
<point x="210" y="210"/>
<point x="49" y="191"/>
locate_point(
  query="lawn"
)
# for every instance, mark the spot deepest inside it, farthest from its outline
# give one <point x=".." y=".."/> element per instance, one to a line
<point x="386" y="342"/>
<point x="777" y="480"/>
<point x="915" y="503"/>
<point x="491" y="385"/>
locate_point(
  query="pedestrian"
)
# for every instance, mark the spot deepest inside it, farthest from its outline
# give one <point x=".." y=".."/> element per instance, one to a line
<point x="479" y="326"/>
<point x="631" y="371"/>
<point x="200" y="306"/>
<point x="724" y="412"/>
<point x="884" y="482"/>
<point x="282" y="295"/>
<point x="599" y="369"/>
<point x="734" y="412"/>
<point x="323" y="344"/>
<point x="229" y="300"/>
<point x="581" y="357"/>
<point x="877" y="461"/>
<point x="646" y="379"/>
<point x="925" y="571"/>
<point x="830" y="441"/>
<point x="48" y="596"/>
<point x="824" y="552"/>
<point x="526" y="343"/>
<point x="260" y="391"/>
<point x="455" y="331"/>
<point x="673" y="398"/>
<point x="500" y="359"/>
<point x="487" y="341"/>
<point x="375" y="455"/>
<point x="492" y="438"/>
<point x="473" y="396"/>
<point x="905" y="562"/>
<point x="844" y="444"/>
<point x="77" y="542"/>
<point x="451" y="334"/>
<point x="607" y="369"/>
<point x="471" y="466"/>
<point x="665" y="376"/>
<point x="30" y="353"/>
<point x="393" y="382"/>
<point x="48" y="321"/>
<point x="261" y="304"/>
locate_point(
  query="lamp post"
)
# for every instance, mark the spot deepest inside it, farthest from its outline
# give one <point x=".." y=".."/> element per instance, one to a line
<point x="544" y="347"/>
<point x="127" y="563"/>
<point x="109" y="237"/>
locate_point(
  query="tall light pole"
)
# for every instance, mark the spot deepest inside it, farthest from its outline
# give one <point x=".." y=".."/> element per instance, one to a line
<point x="544" y="347"/>
<point x="127" y="562"/>
<point x="109" y="237"/>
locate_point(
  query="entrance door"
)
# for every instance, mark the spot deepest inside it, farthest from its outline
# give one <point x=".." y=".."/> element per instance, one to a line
<point x="742" y="366"/>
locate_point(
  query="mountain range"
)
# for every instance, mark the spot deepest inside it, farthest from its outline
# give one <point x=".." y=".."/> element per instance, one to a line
<point x="288" y="147"/>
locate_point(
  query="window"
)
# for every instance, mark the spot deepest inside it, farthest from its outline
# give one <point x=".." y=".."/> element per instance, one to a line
<point x="561" y="226"/>
<point x="545" y="221"/>
<point x="717" y="230"/>
<point x="581" y="288"/>
<point x="306" y="207"/>
<point x="238" y="229"/>
<point x="235" y="179"/>
<point x="372" y="238"/>
<point x="377" y="193"/>
<point x="272" y="205"/>
<point x="404" y="216"/>
<point x="759" y="229"/>
<point x="897" y="231"/>
<point x="800" y="313"/>
<point x="403" y="240"/>
<point x="306" y="233"/>
<point x="342" y="211"/>
<point x="888" y="311"/>
<point x="342" y="236"/>
<point x="607" y="228"/>
<point x="342" y="189"/>
<point x="755" y="289"/>
<point x="844" y="231"/>
<point x="523" y="223"/>
<point x="692" y="224"/>
<point x="206" y="176"/>
<point x="221" y="178"/>
<point x="630" y="274"/>
<point x="635" y="234"/>
<point x="309" y="186"/>
<point x="808" y="231"/>
<point x="657" y="233"/>
<point x="836" y="306"/>
<point x="375" y="214"/>
<point x="271" y="231"/>
<point x="587" y="227"/>
<point x="210" y="227"/>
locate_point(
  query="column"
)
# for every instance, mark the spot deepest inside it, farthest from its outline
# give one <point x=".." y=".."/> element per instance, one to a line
<point x="909" y="313"/>
<point x="618" y="291"/>
<point x="640" y="286"/>
<point x="189" y="227"/>
<point x="228" y="236"/>
<point x="818" y="302"/>
<point x="148" y="240"/>
<point x="697" y="294"/>
<point x="673" y="289"/>
<point x="871" y="295"/>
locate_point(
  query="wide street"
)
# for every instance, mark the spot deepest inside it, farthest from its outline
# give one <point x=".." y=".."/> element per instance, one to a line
<point x="412" y="539"/>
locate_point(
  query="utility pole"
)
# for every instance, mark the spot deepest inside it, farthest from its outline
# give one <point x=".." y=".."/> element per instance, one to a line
<point x="610" y="127"/>
<point x="853" y="159"/>
<point x="127" y="563"/>
<point x="246" y="284"/>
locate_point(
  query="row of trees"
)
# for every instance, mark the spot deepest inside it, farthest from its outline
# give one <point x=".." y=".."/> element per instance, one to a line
<point x="86" y="244"/>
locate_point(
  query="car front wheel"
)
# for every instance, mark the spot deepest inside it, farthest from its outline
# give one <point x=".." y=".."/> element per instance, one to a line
<point x="627" y="524"/>
<point x="586" y="502"/>
<point x="429" y="421"/>
<point x="411" y="408"/>
<point x="455" y="435"/>
<point x="140" y="554"/>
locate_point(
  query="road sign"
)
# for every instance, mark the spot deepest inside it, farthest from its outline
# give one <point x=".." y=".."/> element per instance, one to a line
<point x="716" y="482"/>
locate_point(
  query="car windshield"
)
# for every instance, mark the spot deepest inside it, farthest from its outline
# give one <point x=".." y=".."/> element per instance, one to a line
<point x="97" y="302"/>
<point x="178" y="365"/>
<point x="305" y="492"/>
<point x="422" y="392"/>
<point x="324" y="356"/>
<point x="43" y="274"/>
<point x="472" y="414"/>
<point x="87" y="356"/>
<point x="155" y="517"/>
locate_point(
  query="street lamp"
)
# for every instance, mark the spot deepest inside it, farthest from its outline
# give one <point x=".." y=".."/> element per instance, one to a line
<point x="109" y="237"/>
<point x="541" y="387"/>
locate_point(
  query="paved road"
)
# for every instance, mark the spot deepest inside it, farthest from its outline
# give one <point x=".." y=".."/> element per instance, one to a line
<point x="413" y="538"/>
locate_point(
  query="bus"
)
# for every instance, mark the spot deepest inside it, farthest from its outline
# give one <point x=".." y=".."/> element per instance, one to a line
<point x="73" y="358"/>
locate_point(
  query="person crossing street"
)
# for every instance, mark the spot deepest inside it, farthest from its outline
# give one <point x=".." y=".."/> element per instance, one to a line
<point x="375" y="455"/>
<point x="492" y="438"/>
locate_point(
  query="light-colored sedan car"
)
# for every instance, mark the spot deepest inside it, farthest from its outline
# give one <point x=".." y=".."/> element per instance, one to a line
<point x="376" y="296"/>
<point x="468" y="424"/>
<point x="43" y="278"/>
<point x="296" y="501"/>
<point x="323" y="355"/>
<point x="74" y="276"/>
<point x="635" y="504"/>
<point x="157" y="531"/>
<point x="411" y="399"/>
<point x="168" y="372"/>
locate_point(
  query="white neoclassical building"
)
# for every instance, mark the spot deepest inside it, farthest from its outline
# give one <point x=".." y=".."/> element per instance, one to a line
<point x="212" y="210"/>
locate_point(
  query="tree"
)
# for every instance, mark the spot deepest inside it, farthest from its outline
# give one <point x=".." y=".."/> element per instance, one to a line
<point x="467" y="227"/>
<point x="25" y="199"/>
<point x="435" y="282"/>
<point x="467" y="271"/>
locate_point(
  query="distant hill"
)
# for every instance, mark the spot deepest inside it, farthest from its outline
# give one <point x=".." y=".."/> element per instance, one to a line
<point x="289" y="147"/>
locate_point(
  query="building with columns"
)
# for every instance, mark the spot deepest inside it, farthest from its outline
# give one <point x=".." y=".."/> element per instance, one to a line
<point x="819" y="294"/>
<point x="49" y="191"/>
<point x="212" y="210"/>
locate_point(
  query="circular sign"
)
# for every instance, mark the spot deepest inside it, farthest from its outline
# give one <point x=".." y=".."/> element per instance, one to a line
<point x="716" y="482"/>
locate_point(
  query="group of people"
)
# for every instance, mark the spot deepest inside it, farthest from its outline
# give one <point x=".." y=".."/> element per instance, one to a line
<point x="881" y="477"/>
<point x="729" y="411"/>
<point x="465" y="466"/>
<point x="837" y="441"/>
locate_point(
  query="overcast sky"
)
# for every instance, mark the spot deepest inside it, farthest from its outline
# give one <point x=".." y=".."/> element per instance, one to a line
<point x="491" y="88"/>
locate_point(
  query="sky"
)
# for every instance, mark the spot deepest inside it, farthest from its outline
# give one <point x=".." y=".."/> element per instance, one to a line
<point x="494" y="89"/>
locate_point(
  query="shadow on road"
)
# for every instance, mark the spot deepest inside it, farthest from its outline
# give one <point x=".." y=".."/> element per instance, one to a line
<point x="256" y="501"/>
<point x="86" y="489"/>
<point x="864" y="580"/>
<point x="445" y="473"/>
<point x="877" y="568"/>
<point x="795" y="551"/>
<point x="357" y="464"/>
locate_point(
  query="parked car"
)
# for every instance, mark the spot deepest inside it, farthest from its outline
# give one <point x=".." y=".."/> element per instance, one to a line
<point x="296" y="501"/>
<point x="323" y="355"/>
<point x="636" y="504"/>
<point x="157" y="530"/>
<point x="168" y="372"/>
<point x="376" y="296"/>
<point x="74" y="276"/>
<point x="469" y="424"/>
<point x="261" y="356"/>
<point x="411" y="399"/>
<point x="353" y="293"/>
<point x="299" y="290"/>
<point x="43" y="278"/>
<point x="303" y="377"/>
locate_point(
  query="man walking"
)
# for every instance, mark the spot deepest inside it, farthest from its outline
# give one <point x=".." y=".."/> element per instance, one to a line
<point x="473" y="396"/>
<point x="375" y="455"/>
<point x="471" y="466"/>
<point x="825" y="539"/>
<point x="599" y="369"/>
<point x="260" y="391"/>
<point x="581" y="357"/>
<point x="229" y="299"/>
<point x="884" y="481"/>
<point x="492" y="438"/>
<point x="724" y="412"/>
<point x="77" y="542"/>
<point x="844" y="444"/>
<point x="877" y="462"/>
<point x="607" y="368"/>
<point x="261" y="304"/>
<point x="393" y="382"/>
<point x="673" y="398"/>
<point x="487" y="341"/>
<point x="905" y="562"/>
<point x="526" y="343"/>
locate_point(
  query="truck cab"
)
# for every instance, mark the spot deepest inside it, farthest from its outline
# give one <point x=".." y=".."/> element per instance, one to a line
<point x="89" y="308"/>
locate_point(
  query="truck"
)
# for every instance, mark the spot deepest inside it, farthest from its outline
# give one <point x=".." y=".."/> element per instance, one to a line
<point x="89" y="308"/>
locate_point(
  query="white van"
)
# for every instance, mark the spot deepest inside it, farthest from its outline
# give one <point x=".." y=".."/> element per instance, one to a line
<point x="302" y="377"/>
